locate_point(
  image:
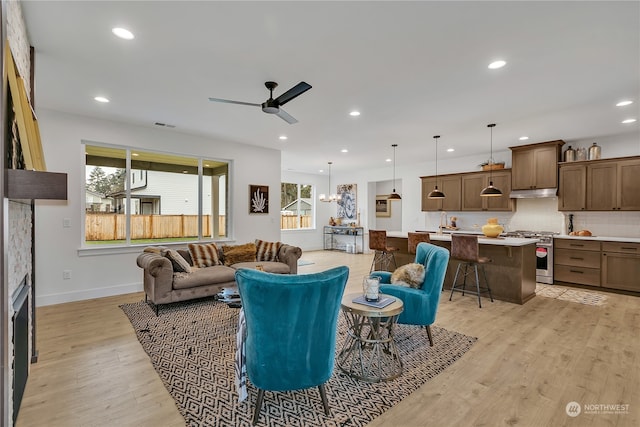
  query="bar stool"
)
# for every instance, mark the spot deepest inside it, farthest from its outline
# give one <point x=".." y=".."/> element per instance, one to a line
<point x="465" y="249"/>
<point x="383" y="254"/>
<point x="415" y="238"/>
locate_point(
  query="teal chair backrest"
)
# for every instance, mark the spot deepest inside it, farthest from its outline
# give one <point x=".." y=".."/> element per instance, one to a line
<point x="291" y="326"/>
<point x="420" y="305"/>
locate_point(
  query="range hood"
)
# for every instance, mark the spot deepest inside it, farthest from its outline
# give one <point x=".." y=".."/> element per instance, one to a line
<point x="538" y="193"/>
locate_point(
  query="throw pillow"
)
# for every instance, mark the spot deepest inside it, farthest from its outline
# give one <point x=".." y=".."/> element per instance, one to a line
<point x="267" y="251"/>
<point x="180" y="265"/>
<point x="239" y="253"/>
<point x="204" y="255"/>
<point x="411" y="275"/>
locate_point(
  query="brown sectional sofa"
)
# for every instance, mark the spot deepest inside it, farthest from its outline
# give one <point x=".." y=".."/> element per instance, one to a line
<point x="163" y="285"/>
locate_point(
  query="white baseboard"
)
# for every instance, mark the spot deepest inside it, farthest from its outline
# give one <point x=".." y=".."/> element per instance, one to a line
<point x="85" y="294"/>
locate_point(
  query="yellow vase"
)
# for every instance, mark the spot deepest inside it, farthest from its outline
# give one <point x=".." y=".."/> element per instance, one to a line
<point x="492" y="228"/>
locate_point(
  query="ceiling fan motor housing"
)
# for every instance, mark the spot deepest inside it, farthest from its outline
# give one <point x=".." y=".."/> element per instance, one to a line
<point x="270" y="106"/>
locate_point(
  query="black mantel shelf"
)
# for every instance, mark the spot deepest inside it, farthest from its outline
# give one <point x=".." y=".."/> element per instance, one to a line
<point x="26" y="184"/>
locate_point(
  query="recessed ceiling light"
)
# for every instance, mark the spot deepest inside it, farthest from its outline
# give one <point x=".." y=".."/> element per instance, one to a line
<point x="344" y="150"/>
<point x="628" y="121"/>
<point x="387" y="160"/>
<point x="101" y="99"/>
<point x="624" y="103"/>
<point x="523" y="138"/>
<point x="320" y="170"/>
<point x="283" y="137"/>
<point x="354" y="113"/>
<point x="122" y="33"/>
<point x="450" y="150"/>
<point x="135" y="154"/>
<point x="497" y="64"/>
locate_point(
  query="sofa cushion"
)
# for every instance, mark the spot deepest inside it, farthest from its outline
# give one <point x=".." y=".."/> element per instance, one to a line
<point x="177" y="261"/>
<point x="204" y="277"/>
<point x="186" y="255"/>
<point x="204" y="255"/>
<point x="267" y="251"/>
<point x="411" y="275"/>
<point x="238" y="253"/>
<point x="268" y="266"/>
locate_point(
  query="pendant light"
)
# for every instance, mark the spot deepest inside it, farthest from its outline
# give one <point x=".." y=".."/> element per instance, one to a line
<point x="491" y="191"/>
<point x="394" y="195"/>
<point x="435" y="193"/>
<point x="333" y="197"/>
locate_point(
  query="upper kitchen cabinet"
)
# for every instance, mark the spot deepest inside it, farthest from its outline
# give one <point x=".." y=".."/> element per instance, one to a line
<point x="613" y="185"/>
<point x="535" y="166"/>
<point x="472" y="185"/>
<point x="572" y="191"/>
<point x="450" y="185"/>
<point x="600" y="185"/>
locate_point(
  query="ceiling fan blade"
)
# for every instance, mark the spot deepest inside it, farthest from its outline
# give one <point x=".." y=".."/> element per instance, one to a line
<point x="286" y="116"/>
<point x="298" y="89"/>
<point x="228" y="101"/>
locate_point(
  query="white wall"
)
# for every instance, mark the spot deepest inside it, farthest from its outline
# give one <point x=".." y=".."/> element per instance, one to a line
<point x="95" y="274"/>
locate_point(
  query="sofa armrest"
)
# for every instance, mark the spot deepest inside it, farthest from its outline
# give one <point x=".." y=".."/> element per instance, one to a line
<point x="289" y="255"/>
<point x="158" y="276"/>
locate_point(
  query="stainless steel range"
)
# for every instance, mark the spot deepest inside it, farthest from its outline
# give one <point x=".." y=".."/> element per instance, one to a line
<point x="544" y="252"/>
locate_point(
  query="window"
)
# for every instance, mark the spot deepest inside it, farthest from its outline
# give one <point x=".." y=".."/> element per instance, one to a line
<point x="167" y="198"/>
<point x="296" y="206"/>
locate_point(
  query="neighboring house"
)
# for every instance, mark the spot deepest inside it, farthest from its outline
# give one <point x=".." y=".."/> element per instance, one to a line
<point x="292" y="208"/>
<point x="96" y="202"/>
<point x="162" y="193"/>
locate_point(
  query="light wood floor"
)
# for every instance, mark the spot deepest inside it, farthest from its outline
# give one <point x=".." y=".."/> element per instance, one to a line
<point x="528" y="363"/>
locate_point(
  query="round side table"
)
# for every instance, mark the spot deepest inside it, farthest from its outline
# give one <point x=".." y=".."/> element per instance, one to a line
<point x="369" y="352"/>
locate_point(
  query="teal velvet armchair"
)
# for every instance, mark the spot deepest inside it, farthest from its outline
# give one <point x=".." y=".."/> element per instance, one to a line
<point x="420" y="305"/>
<point x="291" y="323"/>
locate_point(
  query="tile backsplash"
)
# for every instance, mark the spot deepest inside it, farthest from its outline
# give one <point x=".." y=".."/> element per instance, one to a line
<point x="543" y="215"/>
<point x="609" y="224"/>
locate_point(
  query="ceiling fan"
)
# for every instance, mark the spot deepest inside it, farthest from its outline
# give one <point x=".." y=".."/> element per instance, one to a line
<point x="272" y="106"/>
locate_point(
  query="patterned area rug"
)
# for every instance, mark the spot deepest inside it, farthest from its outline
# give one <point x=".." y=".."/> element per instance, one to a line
<point x="192" y="346"/>
<point x="571" y="295"/>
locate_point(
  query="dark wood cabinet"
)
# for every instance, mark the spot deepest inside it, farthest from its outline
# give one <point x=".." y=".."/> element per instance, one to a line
<point x="577" y="261"/>
<point x="462" y="192"/>
<point x="600" y="185"/>
<point x="535" y="166"/>
<point x="572" y="190"/>
<point x="472" y="185"/>
<point x="621" y="266"/>
<point x="450" y="185"/>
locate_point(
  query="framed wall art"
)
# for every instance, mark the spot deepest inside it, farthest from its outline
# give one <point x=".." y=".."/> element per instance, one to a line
<point x="383" y="207"/>
<point x="347" y="208"/>
<point x="258" y="199"/>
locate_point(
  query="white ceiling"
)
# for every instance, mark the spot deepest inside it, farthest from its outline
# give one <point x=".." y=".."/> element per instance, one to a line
<point x="414" y="69"/>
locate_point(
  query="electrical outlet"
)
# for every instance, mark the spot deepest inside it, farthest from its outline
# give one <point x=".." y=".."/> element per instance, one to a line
<point x="66" y="222"/>
<point x="66" y="274"/>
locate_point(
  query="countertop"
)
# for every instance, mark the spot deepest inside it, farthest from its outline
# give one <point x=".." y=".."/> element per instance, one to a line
<point x="500" y="241"/>
<point x="601" y="238"/>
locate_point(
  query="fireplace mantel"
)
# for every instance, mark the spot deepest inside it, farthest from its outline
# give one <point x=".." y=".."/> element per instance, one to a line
<point x="26" y="184"/>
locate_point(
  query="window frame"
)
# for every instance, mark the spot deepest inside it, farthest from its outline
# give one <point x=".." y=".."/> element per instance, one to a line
<point x="312" y="209"/>
<point x="129" y="246"/>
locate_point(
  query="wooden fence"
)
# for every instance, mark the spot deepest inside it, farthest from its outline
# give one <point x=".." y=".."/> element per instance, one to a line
<point x="288" y="222"/>
<point x="109" y="226"/>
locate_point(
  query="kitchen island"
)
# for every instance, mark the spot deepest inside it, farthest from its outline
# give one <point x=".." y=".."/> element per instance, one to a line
<point x="511" y="274"/>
